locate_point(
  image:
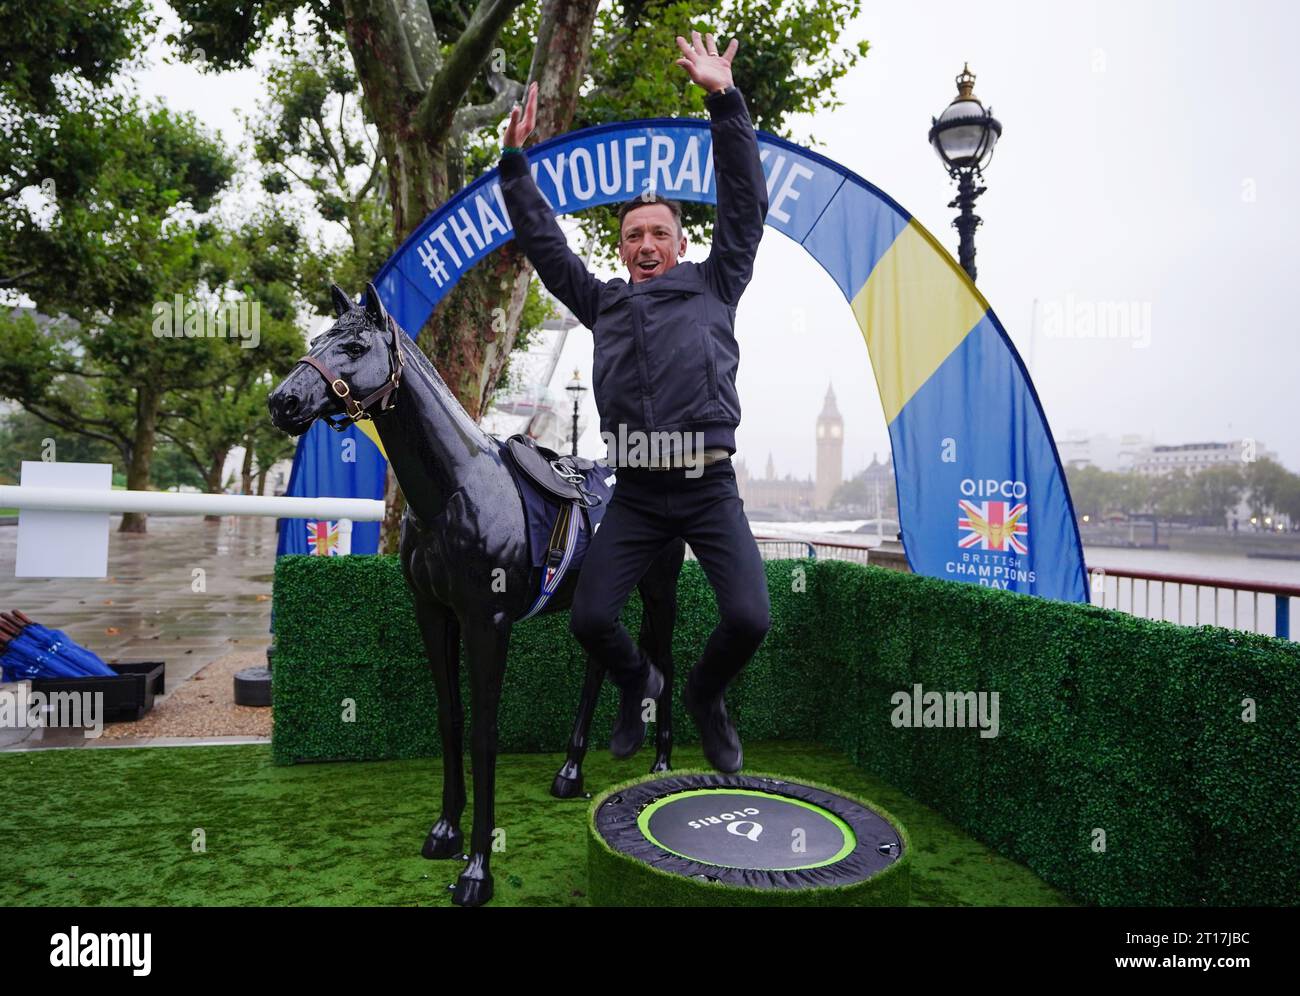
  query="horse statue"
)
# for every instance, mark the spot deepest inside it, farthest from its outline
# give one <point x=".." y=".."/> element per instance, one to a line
<point x="463" y="522"/>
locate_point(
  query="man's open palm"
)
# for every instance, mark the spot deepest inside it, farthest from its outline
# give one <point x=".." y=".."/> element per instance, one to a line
<point x="522" y="125"/>
<point x="700" y="58"/>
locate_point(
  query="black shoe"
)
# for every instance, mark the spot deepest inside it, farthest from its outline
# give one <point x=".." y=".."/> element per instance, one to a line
<point x="718" y="736"/>
<point x="629" y="727"/>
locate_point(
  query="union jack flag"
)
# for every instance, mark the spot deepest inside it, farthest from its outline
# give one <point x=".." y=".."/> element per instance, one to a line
<point x="323" y="539"/>
<point x="994" y="525"/>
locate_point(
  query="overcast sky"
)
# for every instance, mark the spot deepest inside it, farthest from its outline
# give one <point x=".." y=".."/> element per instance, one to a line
<point x="1143" y="166"/>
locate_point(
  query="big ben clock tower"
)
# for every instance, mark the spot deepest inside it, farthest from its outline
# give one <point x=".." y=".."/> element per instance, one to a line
<point x="830" y="450"/>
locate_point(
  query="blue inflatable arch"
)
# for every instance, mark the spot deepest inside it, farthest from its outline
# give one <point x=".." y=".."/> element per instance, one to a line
<point x="982" y="496"/>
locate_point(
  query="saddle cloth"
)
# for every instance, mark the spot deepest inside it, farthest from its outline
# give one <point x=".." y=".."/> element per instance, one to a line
<point x="559" y="531"/>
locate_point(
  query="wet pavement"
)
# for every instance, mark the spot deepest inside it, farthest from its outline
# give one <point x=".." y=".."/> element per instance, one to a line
<point x="186" y="592"/>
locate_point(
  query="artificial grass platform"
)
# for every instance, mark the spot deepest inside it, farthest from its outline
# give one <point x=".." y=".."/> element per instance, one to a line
<point x="115" y="827"/>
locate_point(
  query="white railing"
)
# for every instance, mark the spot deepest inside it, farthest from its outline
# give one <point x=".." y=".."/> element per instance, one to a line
<point x="188" y="503"/>
<point x="64" y="513"/>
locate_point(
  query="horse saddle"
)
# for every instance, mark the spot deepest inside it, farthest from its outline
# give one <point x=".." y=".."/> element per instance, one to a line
<point x="564" y="500"/>
<point x="559" y="476"/>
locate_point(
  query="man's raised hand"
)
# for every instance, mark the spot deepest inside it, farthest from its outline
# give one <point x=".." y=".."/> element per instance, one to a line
<point x="520" y="127"/>
<point x="700" y="58"/>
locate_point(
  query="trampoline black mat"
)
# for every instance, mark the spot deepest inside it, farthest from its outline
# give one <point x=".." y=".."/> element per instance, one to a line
<point x="745" y="830"/>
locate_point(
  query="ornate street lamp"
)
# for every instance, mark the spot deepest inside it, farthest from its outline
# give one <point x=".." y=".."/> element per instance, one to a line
<point x="964" y="136"/>
<point x="576" y="389"/>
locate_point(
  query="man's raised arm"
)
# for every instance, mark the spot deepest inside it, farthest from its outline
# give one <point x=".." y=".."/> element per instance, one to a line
<point x="737" y="170"/>
<point x="538" y="233"/>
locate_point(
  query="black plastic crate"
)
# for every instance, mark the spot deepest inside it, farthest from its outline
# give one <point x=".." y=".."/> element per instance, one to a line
<point x="128" y="696"/>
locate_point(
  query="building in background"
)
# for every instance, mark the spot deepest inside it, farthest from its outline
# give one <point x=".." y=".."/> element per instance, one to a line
<point x="1193" y="457"/>
<point x="830" y="451"/>
<point x="788" y="496"/>
<point x="773" y="496"/>
<point x="1102" y="450"/>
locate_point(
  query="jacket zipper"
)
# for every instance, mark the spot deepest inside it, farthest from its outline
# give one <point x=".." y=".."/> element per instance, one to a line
<point x="647" y="407"/>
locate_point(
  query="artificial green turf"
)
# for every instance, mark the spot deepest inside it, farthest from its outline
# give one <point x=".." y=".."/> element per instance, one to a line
<point x="100" y="827"/>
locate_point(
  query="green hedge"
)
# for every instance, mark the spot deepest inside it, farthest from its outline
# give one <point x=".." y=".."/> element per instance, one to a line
<point x="1107" y="722"/>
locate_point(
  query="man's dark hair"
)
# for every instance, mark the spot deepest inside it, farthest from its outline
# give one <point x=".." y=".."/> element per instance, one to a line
<point x="641" y="200"/>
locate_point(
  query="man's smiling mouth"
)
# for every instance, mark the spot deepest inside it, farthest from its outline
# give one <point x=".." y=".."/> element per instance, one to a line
<point x="647" y="265"/>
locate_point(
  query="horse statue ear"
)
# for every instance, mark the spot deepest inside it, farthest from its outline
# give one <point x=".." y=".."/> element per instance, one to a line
<point x="342" y="303"/>
<point x="375" y="307"/>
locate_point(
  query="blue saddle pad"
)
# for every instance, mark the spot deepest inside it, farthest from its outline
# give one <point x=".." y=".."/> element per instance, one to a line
<point x="541" y="510"/>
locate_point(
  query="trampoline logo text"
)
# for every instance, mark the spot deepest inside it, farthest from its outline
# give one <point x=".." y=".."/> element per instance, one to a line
<point x="733" y="822"/>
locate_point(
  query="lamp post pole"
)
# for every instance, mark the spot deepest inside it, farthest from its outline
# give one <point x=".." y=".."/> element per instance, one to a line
<point x="968" y="220"/>
<point x="964" y="136"/>
<point x="576" y="389"/>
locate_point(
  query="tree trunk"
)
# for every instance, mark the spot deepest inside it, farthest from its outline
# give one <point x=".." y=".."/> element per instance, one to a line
<point x="246" y="471"/>
<point x="212" y="481"/>
<point x="461" y="338"/>
<point x="147" y="401"/>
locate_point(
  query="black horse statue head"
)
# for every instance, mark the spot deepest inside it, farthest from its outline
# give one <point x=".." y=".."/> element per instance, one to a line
<point x="344" y="375"/>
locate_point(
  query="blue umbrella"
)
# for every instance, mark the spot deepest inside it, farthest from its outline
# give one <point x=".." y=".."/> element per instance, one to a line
<point x="35" y="651"/>
<point x="68" y="652"/>
<point x="26" y="658"/>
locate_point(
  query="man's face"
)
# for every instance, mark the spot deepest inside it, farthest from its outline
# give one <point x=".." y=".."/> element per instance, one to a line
<point x="650" y="244"/>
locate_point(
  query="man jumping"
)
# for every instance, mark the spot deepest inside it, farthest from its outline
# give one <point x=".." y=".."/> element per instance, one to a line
<point x="665" y="368"/>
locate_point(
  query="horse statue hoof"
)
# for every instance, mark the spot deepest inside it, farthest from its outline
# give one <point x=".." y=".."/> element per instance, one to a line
<point x="568" y="782"/>
<point x="444" y="841"/>
<point x="472" y="891"/>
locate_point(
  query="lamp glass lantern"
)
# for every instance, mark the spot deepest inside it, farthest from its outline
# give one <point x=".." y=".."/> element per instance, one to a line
<point x="965" y="134"/>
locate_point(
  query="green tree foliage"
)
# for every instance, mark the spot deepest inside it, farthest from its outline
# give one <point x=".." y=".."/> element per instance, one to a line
<point x="310" y="137"/>
<point x="107" y="221"/>
<point x="116" y="241"/>
<point x="1266" y="485"/>
<point x="1208" y="496"/>
<point x="789" y="60"/>
<point x="23" y="436"/>
<point x="45" y="46"/>
<point x="438" y="78"/>
<point x="256" y="265"/>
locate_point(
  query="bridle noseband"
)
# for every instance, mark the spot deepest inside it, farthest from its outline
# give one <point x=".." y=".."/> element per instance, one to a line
<point x="358" y="410"/>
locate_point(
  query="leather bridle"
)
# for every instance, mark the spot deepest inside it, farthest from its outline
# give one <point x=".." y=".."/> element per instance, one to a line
<point x="358" y="410"/>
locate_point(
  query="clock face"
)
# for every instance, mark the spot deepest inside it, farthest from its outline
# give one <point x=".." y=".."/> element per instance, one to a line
<point x="835" y="432"/>
<point x="821" y="432"/>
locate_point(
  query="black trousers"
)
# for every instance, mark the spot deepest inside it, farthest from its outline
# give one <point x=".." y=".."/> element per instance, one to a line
<point x="649" y="509"/>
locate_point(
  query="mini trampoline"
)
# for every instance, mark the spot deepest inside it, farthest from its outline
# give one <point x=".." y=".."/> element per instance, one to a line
<point x="701" y="838"/>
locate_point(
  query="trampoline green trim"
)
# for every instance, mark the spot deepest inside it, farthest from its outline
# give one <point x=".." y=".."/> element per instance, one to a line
<point x="616" y="879"/>
<point x="850" y="839"/>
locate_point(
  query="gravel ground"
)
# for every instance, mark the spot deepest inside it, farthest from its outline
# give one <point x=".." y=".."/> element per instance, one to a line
<point x="204" y="706"/>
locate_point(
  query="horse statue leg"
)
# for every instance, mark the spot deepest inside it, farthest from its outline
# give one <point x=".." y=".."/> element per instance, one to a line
<point x="658" y="618"/>
<point x="658" y="589"/>
<point x="441" y="632"/>
<point x="487" y="642"/>
<point x="568" y="780"/>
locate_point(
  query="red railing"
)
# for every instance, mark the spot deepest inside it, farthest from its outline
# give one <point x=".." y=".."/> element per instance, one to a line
<point x="1100" y="592"/>
<point x="1103" y="592"/>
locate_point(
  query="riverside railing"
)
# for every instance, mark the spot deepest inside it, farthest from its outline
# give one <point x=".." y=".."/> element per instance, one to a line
<point x="1195" y="600"/>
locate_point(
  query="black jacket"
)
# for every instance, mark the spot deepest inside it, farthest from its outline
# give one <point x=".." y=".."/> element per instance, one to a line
<point x="665" y="349"/>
